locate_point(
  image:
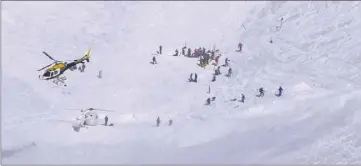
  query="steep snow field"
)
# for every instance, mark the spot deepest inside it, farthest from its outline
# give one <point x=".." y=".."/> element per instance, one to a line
<point x="314" y="55"/>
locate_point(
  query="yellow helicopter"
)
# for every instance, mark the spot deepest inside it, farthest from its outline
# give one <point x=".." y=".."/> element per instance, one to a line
<point x="57" y="68"/>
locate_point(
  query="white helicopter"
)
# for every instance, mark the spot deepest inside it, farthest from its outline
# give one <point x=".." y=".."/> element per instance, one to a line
<point x="89" y="117"/>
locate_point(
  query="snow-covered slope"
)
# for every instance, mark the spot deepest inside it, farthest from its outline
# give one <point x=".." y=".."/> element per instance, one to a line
<point x="314" y="56"/>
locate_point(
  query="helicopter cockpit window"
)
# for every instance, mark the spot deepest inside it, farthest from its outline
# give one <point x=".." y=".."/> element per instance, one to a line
<point x="51" y="74"/>
<point x="55" y="72"/>
<point x="47" y="74"/>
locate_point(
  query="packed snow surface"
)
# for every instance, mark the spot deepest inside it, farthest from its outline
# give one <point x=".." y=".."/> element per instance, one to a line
<point x="311" y="49"/>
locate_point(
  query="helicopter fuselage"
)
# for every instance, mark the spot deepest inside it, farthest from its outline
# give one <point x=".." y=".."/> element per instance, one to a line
<point x="60" y="67"/>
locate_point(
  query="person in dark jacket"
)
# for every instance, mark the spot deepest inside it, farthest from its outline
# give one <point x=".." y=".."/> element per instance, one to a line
<point x="106" y="120"/>
<point x="160" y="49"/>
<point x="195" y="77"/>
<point x="208" y="101"/>
<point x="184" y="50"/>
<point x="242" y="98"/>
<point x="280" y="89"/>
<point x="158" y="121"/>
<point x="154" y="60"/>
<point x="214" y="78"/>
<point x="189" y="52"/>
<point x="261" y="92"/>
<point x="170" y="122"/>
<point x="176" y="52"/>
<point x="240" y="46"/>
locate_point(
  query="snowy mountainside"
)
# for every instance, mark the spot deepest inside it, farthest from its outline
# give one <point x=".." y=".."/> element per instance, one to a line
<point x="314" y="56"/>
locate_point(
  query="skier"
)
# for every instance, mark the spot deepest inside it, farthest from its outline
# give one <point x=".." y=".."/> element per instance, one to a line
<point x="158" y="121"/>
<point x="195" y="77"/>
<point x="240" y="45"/>
<point x="160" y="49"/>
<point x="106" y="120"/>
<point x="154" y="61"/>
<point x="214" y="78"/>
<point x="242" y="98"/>
<point x="261" y="92"/>
<point x="280" y="89"/>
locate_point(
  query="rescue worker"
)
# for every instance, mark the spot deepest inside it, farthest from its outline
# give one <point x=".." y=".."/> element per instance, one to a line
<point x="195" y="77"/>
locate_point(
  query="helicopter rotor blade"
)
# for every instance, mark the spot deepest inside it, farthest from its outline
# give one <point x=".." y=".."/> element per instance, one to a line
<point x="91" y="109"/>
<point x="99" y="109"/>
<point x="50" y="56"/>
<point x="45" y="66"/>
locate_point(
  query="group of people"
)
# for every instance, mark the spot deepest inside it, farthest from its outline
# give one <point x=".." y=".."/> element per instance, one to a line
<point x="170" y="122"/>
<point x="205" y="57"/>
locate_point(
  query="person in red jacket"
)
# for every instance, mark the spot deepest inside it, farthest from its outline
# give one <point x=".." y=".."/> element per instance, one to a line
<point x="217" y="58"/>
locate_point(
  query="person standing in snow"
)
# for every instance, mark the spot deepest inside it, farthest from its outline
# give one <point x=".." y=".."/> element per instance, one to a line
<point x="261" y="92"/>
<point x="226" y="62"/>
<point x="201" y="61"/>
<point x="158" y="121"/>
<point x="100" y="74"/>
<point x="216" y="60"/>
<point x="106" y="120"/>
<point x="170" y="122"/>
<point x="240" y="46"/>
<point x="190" y="79"/>
<point x="154" y="60"/>
<point x="195" y="77"/>
<point x="229" y="72"/>
<point x="184" y="50"/>
<point x="214" y="78"/>
<point x="160" y="49"/>
<point x="242" y="98"/>
<point x="189" y="52"/>
<point x="176" y="52"/>
<point x="208" y="101"/>
<point x="280" y="89"/>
